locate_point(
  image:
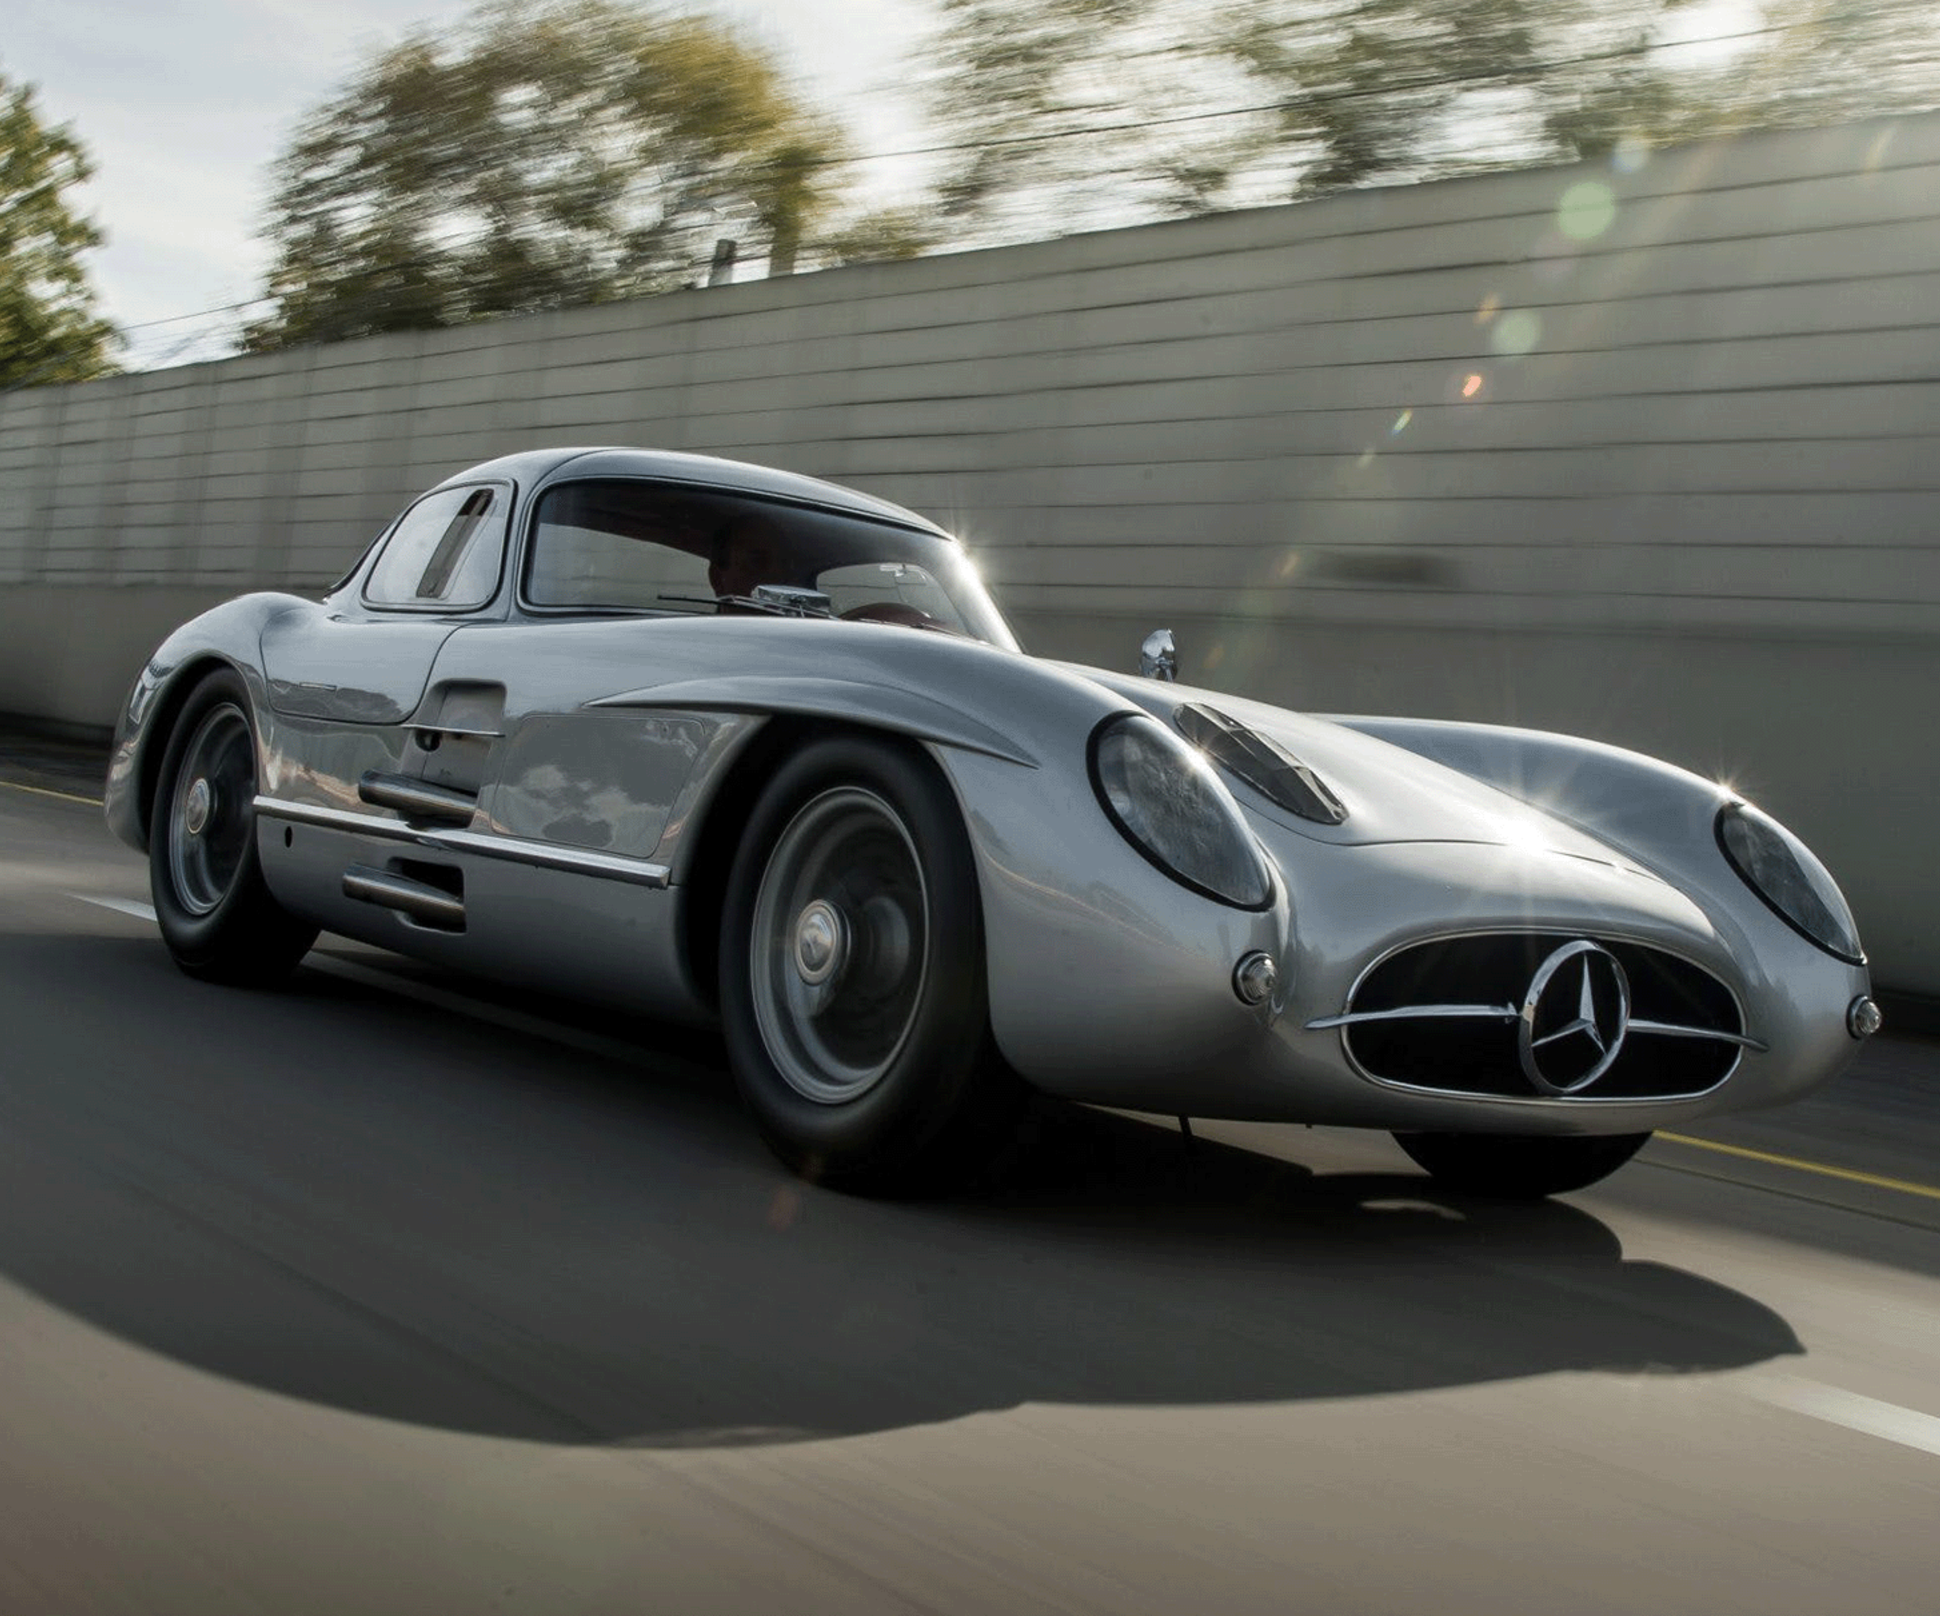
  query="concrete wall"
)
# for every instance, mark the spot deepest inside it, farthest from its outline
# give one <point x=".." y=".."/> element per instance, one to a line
<point x="1649" y="456"/>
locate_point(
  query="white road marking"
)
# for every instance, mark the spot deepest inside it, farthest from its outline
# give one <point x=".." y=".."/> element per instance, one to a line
<point x="121" y="906"/>
<point x="1868" y="1415"/>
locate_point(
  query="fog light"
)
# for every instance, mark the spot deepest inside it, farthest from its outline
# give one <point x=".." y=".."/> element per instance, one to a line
<point x="1862" y="1017"/>
<point x="1255" y="978"/>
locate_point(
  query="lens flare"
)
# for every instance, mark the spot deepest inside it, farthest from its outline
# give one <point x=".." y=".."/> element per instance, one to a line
<point x="1586" y="211"/>
<point x="1471" y="385"/>
<point x="1401" y="423"/>
<point x="1488" y="309"/>
<point x="1516" y="334"/>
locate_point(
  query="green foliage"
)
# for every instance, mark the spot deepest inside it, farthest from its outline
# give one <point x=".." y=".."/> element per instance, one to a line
<point x="887" y="233"/>
<point x="48" y="329"/>
<point x="1070" y="113"/>
<point x="552" y="153"/>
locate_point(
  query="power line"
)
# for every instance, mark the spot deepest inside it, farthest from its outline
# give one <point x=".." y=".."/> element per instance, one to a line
<point x="199" y="314"/>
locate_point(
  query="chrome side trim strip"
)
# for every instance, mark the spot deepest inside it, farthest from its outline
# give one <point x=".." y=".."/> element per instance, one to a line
<point x="459" y="730"/>
<point x="417" y="799"/>
<point x="304" y="813"/>
<point x="418" y="899"/>
<point x="548" y="856"/>
<point x="516" y="850"/>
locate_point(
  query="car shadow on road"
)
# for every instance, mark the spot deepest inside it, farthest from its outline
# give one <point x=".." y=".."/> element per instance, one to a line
<point x="343" y="1194"/>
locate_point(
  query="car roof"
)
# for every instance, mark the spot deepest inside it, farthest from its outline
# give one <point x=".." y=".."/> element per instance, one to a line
<point x="537" y="467"/>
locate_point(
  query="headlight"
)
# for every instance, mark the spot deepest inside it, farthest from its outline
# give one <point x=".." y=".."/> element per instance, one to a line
<point x="1780" y="868"/>
<point x="1172" y="808"/>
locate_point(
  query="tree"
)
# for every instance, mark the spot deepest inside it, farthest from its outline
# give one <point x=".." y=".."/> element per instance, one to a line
<point x="48" y="329"/>
<point x="1074" y="113"/>
<point x="551" y="153"/>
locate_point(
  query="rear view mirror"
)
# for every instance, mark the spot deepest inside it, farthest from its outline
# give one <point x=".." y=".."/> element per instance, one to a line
<point x="1158" y="657"/>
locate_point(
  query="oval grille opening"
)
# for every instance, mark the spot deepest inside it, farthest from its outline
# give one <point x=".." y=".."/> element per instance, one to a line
<point x="1453" y="1007"/>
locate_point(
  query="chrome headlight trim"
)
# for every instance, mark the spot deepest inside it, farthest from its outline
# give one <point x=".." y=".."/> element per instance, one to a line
<point x="1788" y="879"/>
<point x="1165" y="799"/>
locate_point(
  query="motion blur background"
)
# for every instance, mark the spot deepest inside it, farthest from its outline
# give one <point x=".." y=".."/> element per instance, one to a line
<point x="1563" y="365"/>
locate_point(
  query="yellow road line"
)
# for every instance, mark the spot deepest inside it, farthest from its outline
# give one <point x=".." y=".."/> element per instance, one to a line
<point x="1850" y="1175"/>
<point x="42" y="791"/>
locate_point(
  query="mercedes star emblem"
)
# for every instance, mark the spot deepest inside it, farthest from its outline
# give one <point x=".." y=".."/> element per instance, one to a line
<point x="1573" y="1018"/>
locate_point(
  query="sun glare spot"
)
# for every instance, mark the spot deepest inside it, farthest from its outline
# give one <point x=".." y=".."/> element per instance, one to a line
<point x="1471" y="385"/>
<point x="1517" y="333"/>
<point x="1586" y="211"/>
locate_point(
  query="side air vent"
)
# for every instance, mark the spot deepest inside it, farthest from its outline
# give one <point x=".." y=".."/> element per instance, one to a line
<point x="1538" y="1015"/>
<point x="1265" y="765"/>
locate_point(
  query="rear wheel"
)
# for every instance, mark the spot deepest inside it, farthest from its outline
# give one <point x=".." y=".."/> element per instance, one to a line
<point x="216" y="915"/>
<point x="852" y="975"/>
<point x="1518" y="1167"/>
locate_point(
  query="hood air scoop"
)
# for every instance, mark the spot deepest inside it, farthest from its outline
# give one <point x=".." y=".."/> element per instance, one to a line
<point x="1265" y="765"/>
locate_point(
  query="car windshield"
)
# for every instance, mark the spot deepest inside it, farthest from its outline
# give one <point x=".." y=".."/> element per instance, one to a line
<point x="634" y="546"/>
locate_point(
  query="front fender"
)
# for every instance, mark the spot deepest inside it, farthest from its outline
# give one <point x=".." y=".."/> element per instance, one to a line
<point x="1108" y="980"/>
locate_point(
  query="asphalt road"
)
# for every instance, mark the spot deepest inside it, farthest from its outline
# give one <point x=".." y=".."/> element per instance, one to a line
<point x="380" y="1294"/>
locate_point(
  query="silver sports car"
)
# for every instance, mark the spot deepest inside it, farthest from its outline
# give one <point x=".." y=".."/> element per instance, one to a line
<point x="731" y="745"/>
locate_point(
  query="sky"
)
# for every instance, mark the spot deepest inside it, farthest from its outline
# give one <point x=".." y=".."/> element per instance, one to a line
<point x="184" y="103"/>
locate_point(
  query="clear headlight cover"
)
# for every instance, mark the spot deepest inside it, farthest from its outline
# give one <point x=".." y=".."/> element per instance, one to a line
<point x="1170" y="805"/>
<point x="1781" y="869"/>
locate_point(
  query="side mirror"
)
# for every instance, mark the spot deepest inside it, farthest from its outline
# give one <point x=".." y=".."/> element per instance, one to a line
<point x="1158" y="657"/>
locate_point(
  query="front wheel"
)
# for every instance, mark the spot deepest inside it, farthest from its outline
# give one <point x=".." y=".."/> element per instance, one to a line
<point x="215" y="912"/>
<point x="852" y="974"/>
<point x="1517" y="1167"/>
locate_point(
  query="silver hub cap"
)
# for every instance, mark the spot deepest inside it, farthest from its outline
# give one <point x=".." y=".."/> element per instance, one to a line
<point x="195" y="812"/>
<point x="211" y="814"/>
<point x="836" y="954"/>
<point x="821" y="943"/>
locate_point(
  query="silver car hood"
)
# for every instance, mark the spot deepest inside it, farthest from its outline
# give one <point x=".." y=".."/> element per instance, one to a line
<point x="1391" y="794"/>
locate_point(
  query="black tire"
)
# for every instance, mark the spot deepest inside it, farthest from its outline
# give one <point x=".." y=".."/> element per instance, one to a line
<point x="1518" y="1167"/>
<point x="216" y="914"/>
<point x="878" y="1077"/>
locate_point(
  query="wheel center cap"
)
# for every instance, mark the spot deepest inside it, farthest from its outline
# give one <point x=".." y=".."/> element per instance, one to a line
<point x="821" y="942"/>
<point x="200" y="805"/>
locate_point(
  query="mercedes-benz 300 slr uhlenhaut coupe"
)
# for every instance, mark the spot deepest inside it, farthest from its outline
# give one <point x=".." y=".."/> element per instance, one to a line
<point x="726" y="744"/>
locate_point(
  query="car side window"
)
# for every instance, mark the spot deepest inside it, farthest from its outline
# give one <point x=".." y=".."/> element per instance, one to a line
<point x="444" y="552"/>
<point x="614" y="547"/>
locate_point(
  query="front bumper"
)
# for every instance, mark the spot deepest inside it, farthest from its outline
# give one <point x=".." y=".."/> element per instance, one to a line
<point x="1112" y="985"/>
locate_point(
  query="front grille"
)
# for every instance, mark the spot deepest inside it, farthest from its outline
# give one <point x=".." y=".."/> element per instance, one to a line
<point x="1444" y="1016"/>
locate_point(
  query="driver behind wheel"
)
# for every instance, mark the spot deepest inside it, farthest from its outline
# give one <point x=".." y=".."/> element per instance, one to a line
<point x="748" y="551"/>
